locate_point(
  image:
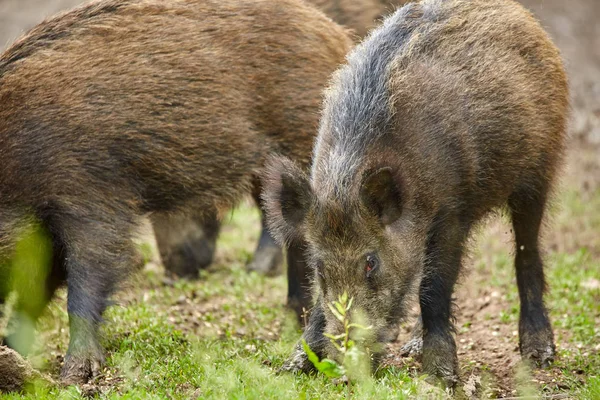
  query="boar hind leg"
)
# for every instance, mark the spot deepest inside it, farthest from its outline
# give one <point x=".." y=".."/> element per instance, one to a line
<point x="299" y="293"/>
<point x="268" y="257"/>
<point x="444" y="252"/>
<point x="535" y="333"/>
<point x="98" y="252"/>
<point x="186" y="244"/>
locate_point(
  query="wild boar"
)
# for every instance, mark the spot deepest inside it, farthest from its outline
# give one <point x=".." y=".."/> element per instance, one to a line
<point x="447" y="111"/>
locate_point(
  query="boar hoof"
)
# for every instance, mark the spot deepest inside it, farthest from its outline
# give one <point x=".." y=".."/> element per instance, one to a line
<point x="413" y="348"/>
<point x="267" y="261"/>
<point x="444" y="381"/>
<point x="538" y="350"/>
<point x="297" y="363"/>
<point x="439" y="360"/>
<point x="442" y="373"/>
<point x="79" y="370"/>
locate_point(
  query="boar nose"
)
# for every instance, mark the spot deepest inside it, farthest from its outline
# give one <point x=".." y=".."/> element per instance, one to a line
<point x="333" y="353"/>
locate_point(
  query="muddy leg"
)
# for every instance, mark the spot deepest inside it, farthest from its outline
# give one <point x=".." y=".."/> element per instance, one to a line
<point x="444" y="252"/>
<point x="186" y="244"/>
<point x="268" y="256"/>
<point x="536" y="340"/>
<point x="414" y="346"/>
<point x="98" y="254"/>
<point x="313" y="335"/>
<point x="299" y="293"/>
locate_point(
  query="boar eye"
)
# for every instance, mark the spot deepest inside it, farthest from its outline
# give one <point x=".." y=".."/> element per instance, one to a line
<point x="371" y="264"/>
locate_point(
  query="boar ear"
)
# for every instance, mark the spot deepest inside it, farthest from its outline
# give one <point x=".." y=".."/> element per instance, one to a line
<point x="286" y="198"/>
<point x="380" y="194"/>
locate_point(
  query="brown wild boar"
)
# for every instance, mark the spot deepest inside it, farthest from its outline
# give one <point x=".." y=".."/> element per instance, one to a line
<point x="445" y="112"/>
<point x="118" y="109"/>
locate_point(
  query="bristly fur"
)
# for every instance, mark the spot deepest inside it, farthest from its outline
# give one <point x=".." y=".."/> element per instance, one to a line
<point x="187" y="242"/>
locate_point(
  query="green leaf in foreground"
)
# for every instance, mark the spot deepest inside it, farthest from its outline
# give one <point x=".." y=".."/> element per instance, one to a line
<point x="326" y="366"/>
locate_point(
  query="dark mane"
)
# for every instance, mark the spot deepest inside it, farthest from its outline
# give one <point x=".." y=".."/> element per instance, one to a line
<point x="361" y="110"/>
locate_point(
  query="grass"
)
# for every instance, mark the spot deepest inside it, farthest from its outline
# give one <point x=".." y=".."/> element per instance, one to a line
<point x="225" y="336"/>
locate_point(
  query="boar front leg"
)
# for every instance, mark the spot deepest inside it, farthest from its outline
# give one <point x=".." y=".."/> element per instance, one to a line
<point x="313" y="335"/>
<point x="536" y="340"/>
<point x="445" y="245"/>
<point x="268" y="256"/>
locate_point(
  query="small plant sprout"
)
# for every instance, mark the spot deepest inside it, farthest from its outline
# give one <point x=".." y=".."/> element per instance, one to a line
<point x="355" y="359"/>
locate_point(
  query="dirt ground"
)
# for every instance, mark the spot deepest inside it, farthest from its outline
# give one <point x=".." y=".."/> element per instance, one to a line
<point x="574" y="26"/>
